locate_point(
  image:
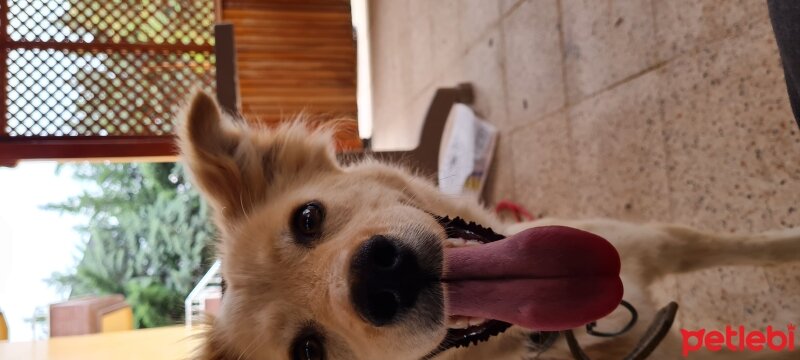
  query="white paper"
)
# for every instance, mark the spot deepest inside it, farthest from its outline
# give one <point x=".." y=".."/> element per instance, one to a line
<point x="466" y="153"/>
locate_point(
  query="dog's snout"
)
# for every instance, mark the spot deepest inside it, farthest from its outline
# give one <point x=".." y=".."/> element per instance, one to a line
<point x="386" y="280"/>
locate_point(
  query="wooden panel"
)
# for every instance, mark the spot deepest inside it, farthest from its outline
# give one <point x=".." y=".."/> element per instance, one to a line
<point x="296" y="56"/>
<point x="85" y="147"/>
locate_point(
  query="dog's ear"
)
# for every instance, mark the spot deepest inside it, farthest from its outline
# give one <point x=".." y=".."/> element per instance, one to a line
<point x="234" y="164"/>
<point x="202" y="127"/>
<point x="208" y="144"/>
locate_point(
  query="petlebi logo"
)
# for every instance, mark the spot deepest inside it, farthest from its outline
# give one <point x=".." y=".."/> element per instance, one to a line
<point x="738" y="339"/>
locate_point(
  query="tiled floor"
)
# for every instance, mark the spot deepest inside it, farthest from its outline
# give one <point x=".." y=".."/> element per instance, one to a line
<point x="664" y="110"/>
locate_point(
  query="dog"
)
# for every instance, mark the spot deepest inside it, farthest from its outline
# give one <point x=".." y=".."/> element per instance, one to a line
<point x="304" y="241"/>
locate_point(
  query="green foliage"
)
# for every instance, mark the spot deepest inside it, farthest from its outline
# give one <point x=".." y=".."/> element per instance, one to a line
<point x="148" y="237"/>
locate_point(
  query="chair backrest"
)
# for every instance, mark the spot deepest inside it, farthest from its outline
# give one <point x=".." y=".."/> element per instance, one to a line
<point x="83" y="315"/>
<point x="117" y="317"/>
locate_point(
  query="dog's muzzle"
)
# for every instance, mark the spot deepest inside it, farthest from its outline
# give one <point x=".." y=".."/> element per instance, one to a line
<point x="386" y="280"/>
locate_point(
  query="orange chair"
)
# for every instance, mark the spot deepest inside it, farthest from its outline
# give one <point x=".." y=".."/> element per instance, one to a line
<point x="3" y="327"/>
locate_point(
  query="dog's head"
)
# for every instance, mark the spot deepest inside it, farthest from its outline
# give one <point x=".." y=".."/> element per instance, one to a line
<point x="321" y="261"/>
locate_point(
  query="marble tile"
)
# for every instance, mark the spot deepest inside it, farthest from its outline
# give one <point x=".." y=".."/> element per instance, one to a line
<point x="416" y="110"/>
<point x="758" y="312"/>
<point x="418" y="57"/>
<point x="695" y="297"/>
<point x="534" y="61"/>
<point x="749" y="280"/>
<point x="619" y="152"/>
<point x="544" y="174"/>
<point x="605" y="42"/>
<point x="445" y="34"/>
<point x="784" y="281"/>
<point x="508" y="5"/>
<point x="683" y="25"/>
<point x="715" y="297"/>
<point x="475" y="18"/>
<point x="483" y="66"/>
<point x="739" y="295"/>
<point x="731" y="139"/>
<point x="500" y="182"/>
<point x="675" y="110"/>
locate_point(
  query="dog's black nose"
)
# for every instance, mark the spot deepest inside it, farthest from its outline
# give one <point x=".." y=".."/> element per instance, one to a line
<point x="386" y="280"/>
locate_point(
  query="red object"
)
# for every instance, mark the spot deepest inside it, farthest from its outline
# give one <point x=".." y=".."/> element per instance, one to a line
<point x="516" y="209"/>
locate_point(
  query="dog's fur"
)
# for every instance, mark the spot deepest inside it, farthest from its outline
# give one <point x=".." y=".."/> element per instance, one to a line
<point x="255" y="177"/>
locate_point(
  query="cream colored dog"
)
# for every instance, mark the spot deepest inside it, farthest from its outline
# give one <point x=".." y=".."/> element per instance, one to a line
<point x="303" y="237"/>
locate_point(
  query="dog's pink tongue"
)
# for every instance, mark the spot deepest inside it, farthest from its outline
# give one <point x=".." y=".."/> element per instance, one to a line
<point x="546" y="278"/>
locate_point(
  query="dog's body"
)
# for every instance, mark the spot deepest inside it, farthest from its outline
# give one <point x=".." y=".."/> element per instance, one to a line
<point x="292" y="221"/>
<point x="651" y="251"/>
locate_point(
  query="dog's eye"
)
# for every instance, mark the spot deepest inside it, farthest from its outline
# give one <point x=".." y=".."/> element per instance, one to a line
<point x="307" y="222"/>
<point x="308" y="347"/>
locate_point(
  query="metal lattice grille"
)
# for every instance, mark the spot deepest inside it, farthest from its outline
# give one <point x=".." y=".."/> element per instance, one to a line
<point x="112" y="21"/>
<point x="80" y="68"/>
<point x="63" y="93"/>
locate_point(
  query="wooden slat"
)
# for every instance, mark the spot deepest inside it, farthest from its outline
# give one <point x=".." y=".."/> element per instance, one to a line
<point x="14" y="148"/>
<point x="266" y="14"/>
<point x="338" y="4"/>
<point x="277" y="28"/>
<point x="297" y="92"/>
<point x="288" y="25"/>
<point x="287" y="111"/>
<point x="311" y="66"/>
<point x="344" y="56"/>
<point x="299" y="42"/>
<point x="322" y="49"/>
<point x="294" y="56"/>
<point x="310" y="73"/>
<point x="292" y="83"/>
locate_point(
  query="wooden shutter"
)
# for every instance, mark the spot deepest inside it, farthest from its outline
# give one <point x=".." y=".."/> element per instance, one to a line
<point x="296" y="56"/>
